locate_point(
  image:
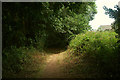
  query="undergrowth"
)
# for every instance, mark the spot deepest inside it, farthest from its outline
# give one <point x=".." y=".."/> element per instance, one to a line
<point x="100" y="49"/>
<point x="14" y="59"/>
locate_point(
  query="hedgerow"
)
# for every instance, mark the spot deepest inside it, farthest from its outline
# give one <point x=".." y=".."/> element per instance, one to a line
<point x="101" y="47"/>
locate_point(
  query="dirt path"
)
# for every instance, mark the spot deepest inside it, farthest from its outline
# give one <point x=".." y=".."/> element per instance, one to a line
<point x="53" y="67"/>
<point x="48" y="64"/>
<point x="56" y="64"/>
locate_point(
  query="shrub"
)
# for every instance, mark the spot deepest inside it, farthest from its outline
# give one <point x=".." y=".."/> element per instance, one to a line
<point x="102" y="47"/>
<point x="14" y="58"/>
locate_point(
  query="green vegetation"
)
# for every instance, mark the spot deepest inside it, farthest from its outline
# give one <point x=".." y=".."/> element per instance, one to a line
<point x="30" y="29"/>
<point x="115" y="15"/>
<point x="34" y="24"/>
<point x="40" y="25"/>
<point x="14" y="59"/>
<point x="100" y="47"/>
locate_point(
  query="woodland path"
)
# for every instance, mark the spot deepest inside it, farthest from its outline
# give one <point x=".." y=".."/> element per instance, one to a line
<point x="52" y="64"/>
<point x="48" y="65"/>
<point x="53" y="67"/>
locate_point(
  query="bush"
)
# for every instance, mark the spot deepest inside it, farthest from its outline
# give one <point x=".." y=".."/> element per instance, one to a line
<point x="102" y="47"/>
<point x="14" y="58"/>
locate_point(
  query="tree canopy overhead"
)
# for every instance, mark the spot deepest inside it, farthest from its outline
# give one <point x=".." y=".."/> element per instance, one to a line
<point x="35" y="24"/>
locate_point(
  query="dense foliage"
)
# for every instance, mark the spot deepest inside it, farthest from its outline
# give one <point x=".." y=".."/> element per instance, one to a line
<point x="115" y="14"/>
<point x="101" y="47"/>
<point x="26" y="24"/>
<point x="40" y="25"/>
<point x="36" y="26"/>
<point x="18" y="57"/>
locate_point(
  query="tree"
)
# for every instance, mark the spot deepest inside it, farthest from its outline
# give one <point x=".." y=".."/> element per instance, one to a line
<point x="26" y="24"/>
<point x="115" y="14"/>
<point x="73" y="18"/>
